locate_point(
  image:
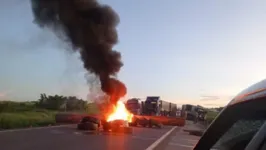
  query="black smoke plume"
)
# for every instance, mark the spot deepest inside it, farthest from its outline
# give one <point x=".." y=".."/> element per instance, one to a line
<point x="90" y="29"/>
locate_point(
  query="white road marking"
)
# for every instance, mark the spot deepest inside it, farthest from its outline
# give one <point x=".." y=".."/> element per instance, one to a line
<point x="35" y="128"/>
<point x="157" y="142"/>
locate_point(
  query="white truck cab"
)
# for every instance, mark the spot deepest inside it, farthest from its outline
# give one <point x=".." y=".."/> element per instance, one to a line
<point x="241" y="124"/>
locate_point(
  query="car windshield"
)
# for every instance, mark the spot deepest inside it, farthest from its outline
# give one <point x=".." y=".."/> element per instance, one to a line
<point x="242" y="130"/>
<point x="235" y="126"/>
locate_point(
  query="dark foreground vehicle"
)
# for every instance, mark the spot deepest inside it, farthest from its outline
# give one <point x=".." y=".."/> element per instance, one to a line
<point x="241" y="124"/>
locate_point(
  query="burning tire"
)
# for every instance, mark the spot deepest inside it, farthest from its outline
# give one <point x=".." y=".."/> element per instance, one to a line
<point x="134" y="122"/>
<point x="88" y="126"/>
<point x="155" y="123"/>
<point x="89" y="123"/>
<point x="143" y="122"/>
<point x="117" y="126"/>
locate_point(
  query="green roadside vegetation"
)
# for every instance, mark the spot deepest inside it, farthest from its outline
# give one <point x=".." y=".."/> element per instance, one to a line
<point x="11" y="120"/>
<point x="211" y="115"/>
<point x="41" y="112"/>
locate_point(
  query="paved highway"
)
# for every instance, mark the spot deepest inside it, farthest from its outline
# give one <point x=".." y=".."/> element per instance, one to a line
<point x="180" y="140"/>
<point x="68" y="138"/>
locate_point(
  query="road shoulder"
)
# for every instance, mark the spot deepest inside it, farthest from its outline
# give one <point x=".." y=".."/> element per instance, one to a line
<point x="163" y="140"/>
<point x="181" y="140"/>
<point x="36" y="128"/>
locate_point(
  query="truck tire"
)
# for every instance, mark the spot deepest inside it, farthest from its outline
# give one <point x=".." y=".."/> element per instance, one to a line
<point x="88" y="126"/>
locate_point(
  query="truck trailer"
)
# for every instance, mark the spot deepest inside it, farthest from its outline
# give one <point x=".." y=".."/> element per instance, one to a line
<point x="153" y="107"/>
<point x="135" y="106"/>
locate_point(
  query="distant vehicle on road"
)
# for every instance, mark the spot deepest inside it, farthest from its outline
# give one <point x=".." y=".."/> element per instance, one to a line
<point x="153" y="106"/>
<point x="135" y="106"/>
<point x="241" y="124"/>
<point x="190" y="111"/>
<point x="194" y="112"/>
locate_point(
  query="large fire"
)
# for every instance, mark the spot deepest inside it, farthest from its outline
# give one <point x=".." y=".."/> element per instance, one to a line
<point x="120" y="113"/>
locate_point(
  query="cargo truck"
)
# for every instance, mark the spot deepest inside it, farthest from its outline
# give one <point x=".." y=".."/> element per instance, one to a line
<point x="152" y="107"/>
<point x="135" y="106"/>
<point x="155" y="106"/>
<point x="194" y="112"/>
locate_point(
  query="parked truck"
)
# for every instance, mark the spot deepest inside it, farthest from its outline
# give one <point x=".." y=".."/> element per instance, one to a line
<point x="135" y="106"/>
<point x="152" y="107"/>
<point x="193" y="112"/>
<point x="155" y="106"/>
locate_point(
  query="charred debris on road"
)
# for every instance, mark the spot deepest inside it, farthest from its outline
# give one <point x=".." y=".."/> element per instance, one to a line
<point x="118" y="126"/>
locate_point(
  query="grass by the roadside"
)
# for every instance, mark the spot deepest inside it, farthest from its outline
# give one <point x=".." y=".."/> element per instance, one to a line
<point x="43" y="112"/>
<point x="211" y="116"/>
<point x="35" y="118"/>
<point x="11" y="120"/>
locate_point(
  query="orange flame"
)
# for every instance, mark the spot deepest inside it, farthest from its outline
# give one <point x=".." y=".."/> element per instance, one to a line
<point x="120" y="113"/>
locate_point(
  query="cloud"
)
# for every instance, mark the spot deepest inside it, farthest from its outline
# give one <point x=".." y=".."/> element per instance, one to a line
<point x="208" y="98"/>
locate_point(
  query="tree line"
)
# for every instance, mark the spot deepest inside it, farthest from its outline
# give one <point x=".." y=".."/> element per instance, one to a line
<point x="49" y="102"/>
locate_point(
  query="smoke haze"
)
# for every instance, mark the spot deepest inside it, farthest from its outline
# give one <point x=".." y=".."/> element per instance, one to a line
<point x="90" y="29"/>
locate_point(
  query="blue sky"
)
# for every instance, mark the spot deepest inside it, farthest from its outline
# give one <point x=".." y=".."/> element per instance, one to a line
<point x="183" y="51"/>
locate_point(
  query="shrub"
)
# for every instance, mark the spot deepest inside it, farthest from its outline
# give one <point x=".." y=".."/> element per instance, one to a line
<point x="26" y="119"/>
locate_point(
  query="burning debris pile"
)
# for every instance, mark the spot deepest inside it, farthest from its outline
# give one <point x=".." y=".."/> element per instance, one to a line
<point x="120" y="113"/>
<point x="119" y="119"/>
<point x="90" y="29"/>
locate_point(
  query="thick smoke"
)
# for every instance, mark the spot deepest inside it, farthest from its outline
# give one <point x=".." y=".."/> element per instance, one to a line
<point x="90" y="29"/>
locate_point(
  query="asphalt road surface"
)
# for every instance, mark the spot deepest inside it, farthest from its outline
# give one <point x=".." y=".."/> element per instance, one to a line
<point x="181" y="140"/>
<point x="69" y="138"/>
